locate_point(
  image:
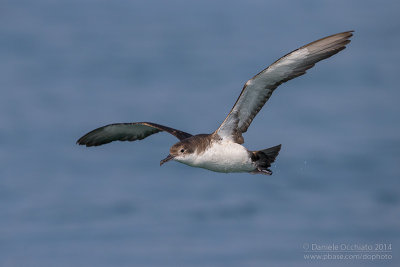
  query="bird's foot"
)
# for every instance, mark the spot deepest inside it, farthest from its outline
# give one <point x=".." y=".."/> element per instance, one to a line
<point x="262" y="171"/>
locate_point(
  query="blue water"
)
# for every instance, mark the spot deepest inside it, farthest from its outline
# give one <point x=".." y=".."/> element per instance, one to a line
<point x="68" y="67"/>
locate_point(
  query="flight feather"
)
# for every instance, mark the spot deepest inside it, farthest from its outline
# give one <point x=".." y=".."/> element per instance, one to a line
<point x="127" y="132"/>
<point x="258" y="90"/>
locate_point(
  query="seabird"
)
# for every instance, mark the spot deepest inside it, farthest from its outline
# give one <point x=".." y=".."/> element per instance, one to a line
<point x="222" y="150"/>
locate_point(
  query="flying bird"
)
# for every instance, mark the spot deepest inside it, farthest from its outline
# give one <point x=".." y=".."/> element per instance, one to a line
<point x="222" y="150"/>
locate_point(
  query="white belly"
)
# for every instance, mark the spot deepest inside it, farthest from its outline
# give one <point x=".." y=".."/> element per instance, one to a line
<point x="222" y="156"/>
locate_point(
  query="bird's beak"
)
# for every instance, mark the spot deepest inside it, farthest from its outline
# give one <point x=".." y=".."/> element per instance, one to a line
<point x="168" y="158"/>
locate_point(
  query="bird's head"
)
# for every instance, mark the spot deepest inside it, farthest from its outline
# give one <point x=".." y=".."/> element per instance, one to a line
<point x="179" y="152"/>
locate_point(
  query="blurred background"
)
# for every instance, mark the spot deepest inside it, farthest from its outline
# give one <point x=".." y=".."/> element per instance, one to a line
<point x="70" y="66"/>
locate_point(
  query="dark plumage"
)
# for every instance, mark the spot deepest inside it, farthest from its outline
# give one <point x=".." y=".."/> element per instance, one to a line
<point x="126" y="132"/>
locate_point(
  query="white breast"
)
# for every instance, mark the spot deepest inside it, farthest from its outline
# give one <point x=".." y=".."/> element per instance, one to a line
<point x="221" y="156"/>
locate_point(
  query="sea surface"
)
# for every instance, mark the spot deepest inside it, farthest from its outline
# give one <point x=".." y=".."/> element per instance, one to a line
<point x="68" y="66"/>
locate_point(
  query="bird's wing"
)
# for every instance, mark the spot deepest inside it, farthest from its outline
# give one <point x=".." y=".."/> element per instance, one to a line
<point x="126" y="132"/>
<point x="258" y="90"/>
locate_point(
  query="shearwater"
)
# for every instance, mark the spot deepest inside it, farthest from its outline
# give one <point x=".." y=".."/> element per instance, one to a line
<point x="222" y="150"/>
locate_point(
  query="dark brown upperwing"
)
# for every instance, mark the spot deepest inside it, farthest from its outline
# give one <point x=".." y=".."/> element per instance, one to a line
<point x="258" y="89"/>
<point x="127" y="132"/>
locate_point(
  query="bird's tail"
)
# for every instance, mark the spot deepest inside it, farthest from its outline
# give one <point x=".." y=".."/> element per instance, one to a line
<point x="263" y="159"/>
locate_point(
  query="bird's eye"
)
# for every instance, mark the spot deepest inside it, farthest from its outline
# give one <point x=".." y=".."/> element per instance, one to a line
<point x="182" y="150"/>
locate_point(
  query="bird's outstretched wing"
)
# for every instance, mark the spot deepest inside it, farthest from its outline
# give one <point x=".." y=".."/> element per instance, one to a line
<point x="126" y="132"/>
<point x="258" y="90"/>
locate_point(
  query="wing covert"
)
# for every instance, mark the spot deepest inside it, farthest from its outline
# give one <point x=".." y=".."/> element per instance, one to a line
<point x="127" y="132"/>
<point x="258" y="90"/>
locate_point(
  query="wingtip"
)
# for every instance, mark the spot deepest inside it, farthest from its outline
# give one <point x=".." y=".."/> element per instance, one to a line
<point x="346" y="34"/>
<point x="350" y="33"/>
<point x="81" y="142"/>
